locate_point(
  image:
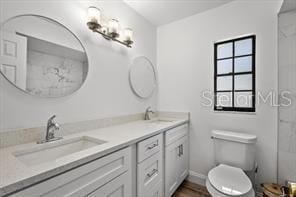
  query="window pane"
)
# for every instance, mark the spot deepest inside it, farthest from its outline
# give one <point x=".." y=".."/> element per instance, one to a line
<point x="224" y="66"/>
<point x="243" y="99"/>
<point x="243" y="82"/>
<point x="224" y="50"/>
<point x="224" y="83"/>
<point x="243" y="64"/>
<point x="224" y="99"/>
<point x="243" y="47"/>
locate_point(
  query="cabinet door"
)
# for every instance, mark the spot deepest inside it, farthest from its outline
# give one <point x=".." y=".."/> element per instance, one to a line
<point x="118" y="187"/>
<point x="183" y="159"/>
<point x="171" y="168"/>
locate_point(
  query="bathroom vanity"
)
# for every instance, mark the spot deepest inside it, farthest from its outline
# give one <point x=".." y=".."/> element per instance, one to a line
<point x="140" y="158"/>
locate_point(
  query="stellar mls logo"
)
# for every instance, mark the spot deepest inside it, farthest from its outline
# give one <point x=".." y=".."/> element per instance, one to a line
<point x="244" y="99"/>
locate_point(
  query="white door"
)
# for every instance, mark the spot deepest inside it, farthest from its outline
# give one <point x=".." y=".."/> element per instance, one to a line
<point x="13" y="58"/>
<point x="118" y="187"/>
<point x="171" y="168"/>
<point x="183" y="159"/>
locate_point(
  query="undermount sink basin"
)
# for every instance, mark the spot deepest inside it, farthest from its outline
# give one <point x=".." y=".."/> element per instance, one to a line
<point x="160" y="121"/>
<point x="54" y="150"/>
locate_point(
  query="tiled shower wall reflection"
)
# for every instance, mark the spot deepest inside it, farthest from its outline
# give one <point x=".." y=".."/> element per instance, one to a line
<point x="287" y="82"/>
<point x="52" y="75"/>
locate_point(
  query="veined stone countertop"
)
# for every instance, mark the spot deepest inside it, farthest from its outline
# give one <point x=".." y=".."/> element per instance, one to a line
<point x="15" y="175"/>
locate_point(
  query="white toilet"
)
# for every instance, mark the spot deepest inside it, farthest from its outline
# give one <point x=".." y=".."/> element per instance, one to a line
<point x="234" y="154"/>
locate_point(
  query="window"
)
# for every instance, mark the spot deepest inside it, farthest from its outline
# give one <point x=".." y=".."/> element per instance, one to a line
<point x="234" y="78"/>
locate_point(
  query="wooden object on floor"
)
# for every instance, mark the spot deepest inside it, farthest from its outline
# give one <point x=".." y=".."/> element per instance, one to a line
<point x="188" y="189"/>
<point x="271" y="190"/>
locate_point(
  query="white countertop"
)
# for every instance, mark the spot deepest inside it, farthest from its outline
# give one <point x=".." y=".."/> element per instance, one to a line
<point x="15" y="175"/>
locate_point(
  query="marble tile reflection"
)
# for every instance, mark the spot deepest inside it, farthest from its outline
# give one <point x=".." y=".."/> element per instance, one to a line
<point x="51" y="75"/>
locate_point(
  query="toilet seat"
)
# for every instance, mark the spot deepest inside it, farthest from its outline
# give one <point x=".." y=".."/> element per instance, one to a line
<point x="229" y="181"/>
<point x="216" y="193"/>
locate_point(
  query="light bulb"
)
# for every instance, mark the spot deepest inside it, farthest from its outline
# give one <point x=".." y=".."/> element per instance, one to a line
<point x="128" y="34"/>
<point x="94" y="15"/>
<point x="113" y="26"/>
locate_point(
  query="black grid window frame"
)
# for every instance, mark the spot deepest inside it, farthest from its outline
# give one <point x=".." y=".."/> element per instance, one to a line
<point x="233" y="74"/>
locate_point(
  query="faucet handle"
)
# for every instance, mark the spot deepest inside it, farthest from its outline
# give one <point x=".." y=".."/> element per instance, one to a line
<point x="51" y="118"/>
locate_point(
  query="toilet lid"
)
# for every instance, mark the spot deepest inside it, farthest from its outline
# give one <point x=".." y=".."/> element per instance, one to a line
<point x="230" y="180"/>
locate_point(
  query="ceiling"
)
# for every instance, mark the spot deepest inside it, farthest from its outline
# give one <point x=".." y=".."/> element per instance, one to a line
<point x="160" y="12"/>
<point x="288" y="5"/>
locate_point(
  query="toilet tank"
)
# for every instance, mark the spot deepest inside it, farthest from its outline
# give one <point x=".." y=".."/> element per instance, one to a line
<point x="235" y="149"/>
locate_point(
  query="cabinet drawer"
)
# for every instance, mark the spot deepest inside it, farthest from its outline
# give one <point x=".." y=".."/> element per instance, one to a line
<point x="84" y="179"/>
<point x="157" y="190"/>
<point x="148" y="147"/>
<point x="176" y="133"/>
<point x="118" y="187"/>
<point x="149" y="173"/>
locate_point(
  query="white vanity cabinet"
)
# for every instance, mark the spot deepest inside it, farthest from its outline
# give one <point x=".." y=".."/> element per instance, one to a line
<point x="176" y="158"/>
<point x="106" y="176"/>
<point x="153" y="167"/>
<point x="150" y="167"/>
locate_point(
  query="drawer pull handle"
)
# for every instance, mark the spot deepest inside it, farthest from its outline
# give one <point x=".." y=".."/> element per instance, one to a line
<point x="152" y="173"/>
<point x="153" y="146"/>
<point x="180" y="150"/>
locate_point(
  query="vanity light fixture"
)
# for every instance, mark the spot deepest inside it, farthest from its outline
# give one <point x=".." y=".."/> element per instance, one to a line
<point x="109" y="32"/>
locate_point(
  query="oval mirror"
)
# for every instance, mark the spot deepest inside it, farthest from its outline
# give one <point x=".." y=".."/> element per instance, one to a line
<point x="142" y="77"/>
<point x="41" y="56"/>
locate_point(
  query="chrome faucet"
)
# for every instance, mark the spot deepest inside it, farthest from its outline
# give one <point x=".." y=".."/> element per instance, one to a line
<point x="147" y="113"/>
<point x="50" y="129"/>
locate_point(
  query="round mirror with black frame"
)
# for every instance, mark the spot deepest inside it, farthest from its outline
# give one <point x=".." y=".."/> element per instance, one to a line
<point x="142" y="77"/>
<point x="41" y="57"/>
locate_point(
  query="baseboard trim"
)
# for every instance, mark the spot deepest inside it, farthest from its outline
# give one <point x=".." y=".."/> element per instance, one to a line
<point x="197" y="178"/>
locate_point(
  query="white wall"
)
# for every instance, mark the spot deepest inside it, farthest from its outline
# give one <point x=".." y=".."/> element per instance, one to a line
<point x="185" y="64"/>
<point x="106" y="90"/>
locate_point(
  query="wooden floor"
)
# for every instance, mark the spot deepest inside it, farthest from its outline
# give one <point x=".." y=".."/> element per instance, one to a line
<point x="188" y="189"/>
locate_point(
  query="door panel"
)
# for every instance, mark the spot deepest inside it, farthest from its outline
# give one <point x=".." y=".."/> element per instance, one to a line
<point x="13" y="58"/>
<point x="183" y="161"/>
